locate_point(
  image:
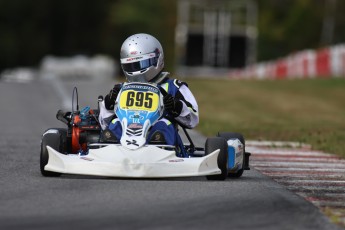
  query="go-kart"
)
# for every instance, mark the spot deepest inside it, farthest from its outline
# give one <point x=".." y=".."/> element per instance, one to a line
<point x="83" y="148"/>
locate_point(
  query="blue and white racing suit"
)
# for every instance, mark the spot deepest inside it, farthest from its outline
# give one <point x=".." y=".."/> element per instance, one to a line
<point x="189" y="116"/>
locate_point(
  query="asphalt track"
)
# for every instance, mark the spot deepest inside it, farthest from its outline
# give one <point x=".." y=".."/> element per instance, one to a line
<point x="30" y="201"/>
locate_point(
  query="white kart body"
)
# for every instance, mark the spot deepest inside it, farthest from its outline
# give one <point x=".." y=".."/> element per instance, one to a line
<point x="138" y="107"/>
<point x="147" y="162"/>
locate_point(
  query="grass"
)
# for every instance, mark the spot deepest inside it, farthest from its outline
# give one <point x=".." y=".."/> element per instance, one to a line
<point x="310" y="111"/>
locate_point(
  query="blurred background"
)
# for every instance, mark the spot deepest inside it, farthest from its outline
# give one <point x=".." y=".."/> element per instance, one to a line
<point x="233" y="33"/>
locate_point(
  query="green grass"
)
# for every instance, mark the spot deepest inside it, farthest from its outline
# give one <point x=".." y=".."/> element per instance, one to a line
<point x="309" y="111"/>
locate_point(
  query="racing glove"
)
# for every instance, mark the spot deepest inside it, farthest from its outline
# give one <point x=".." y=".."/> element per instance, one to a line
<point x="172" y="105"/>
<point x="110" y="98"/>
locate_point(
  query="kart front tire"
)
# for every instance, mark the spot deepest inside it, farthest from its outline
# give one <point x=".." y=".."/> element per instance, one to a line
<point x="56" y="141"/>
<point x="212" y="144"/>
<point x="227" y="136"/>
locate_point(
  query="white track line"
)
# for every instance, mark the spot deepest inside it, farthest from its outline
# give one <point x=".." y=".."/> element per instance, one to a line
<point x="279" y="169"/>
<point x="287" y="152"/>
<point x="309" y="164"/>
<point x="61" y="91"/>
<point x="320" y="182"/>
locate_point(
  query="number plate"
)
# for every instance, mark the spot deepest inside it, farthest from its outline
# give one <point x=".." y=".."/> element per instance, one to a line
<point x="144" y="100"/>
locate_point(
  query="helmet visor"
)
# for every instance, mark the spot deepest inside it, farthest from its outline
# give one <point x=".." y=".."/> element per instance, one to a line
<point x="139" y="65"/>
<point x="133" y="64"/>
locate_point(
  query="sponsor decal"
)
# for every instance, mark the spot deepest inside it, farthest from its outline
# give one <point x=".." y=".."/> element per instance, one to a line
<point x="140" y="87"/>
<point x="176" y="160"/>
<point x="137" y="58"/>
<point x="107" y="134"/>
<point x="86" y="158"/>
<point x="134" y="58"/>
<point x="135" y="126"/>
<point x="133" y="142"/>
<point x="136" y="118"/>
<point x="158" y="137"/>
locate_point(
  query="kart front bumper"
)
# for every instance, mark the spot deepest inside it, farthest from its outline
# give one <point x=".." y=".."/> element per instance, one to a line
<point x="117" y="161"/>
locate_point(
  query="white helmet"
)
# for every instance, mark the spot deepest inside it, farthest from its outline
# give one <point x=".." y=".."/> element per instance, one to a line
<point x="142" y="58"/>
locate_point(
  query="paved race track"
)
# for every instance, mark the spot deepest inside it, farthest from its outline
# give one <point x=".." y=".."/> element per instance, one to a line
<point x="30" y="201"/>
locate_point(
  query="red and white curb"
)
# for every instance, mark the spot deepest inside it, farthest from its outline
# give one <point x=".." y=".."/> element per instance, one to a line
<point x="318" y="177"/>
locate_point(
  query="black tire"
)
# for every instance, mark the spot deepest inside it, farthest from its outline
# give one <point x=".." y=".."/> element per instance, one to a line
<point x="56" y="140"/>
<point x="212" y="144"/>
<point x="227" y="136"/>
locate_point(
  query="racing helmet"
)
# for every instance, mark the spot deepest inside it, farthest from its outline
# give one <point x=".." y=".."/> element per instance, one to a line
<point x="142" y="58"/>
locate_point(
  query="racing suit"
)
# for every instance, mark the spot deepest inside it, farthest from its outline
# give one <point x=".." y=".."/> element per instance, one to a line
<point x="188" y="115"/>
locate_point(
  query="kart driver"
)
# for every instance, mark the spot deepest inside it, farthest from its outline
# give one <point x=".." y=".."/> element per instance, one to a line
<point x="142" y="60"/>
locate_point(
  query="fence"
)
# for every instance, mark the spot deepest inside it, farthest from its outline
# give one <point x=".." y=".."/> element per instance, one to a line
<point x="323" y="63"/>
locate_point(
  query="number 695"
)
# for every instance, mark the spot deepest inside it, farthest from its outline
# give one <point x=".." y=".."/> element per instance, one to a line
<point x="139" y="99"/>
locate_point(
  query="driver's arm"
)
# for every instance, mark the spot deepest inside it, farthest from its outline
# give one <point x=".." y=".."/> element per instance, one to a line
<point x="189" y="115"/>
<point x="110" y="98"/>
<point x="106" y="107"/>
<point x="182" y="106"/>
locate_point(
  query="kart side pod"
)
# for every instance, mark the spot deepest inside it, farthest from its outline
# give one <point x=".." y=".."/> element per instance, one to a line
<point x="235" y="154"/>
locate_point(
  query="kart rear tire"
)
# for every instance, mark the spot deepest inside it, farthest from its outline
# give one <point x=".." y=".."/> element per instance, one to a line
<point x="57" y="141"/>
<point x="212" y="144"/>
<point x="227" y="136"/>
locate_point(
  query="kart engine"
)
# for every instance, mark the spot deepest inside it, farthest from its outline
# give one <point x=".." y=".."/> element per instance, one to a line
<point x="83" y="129"/>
